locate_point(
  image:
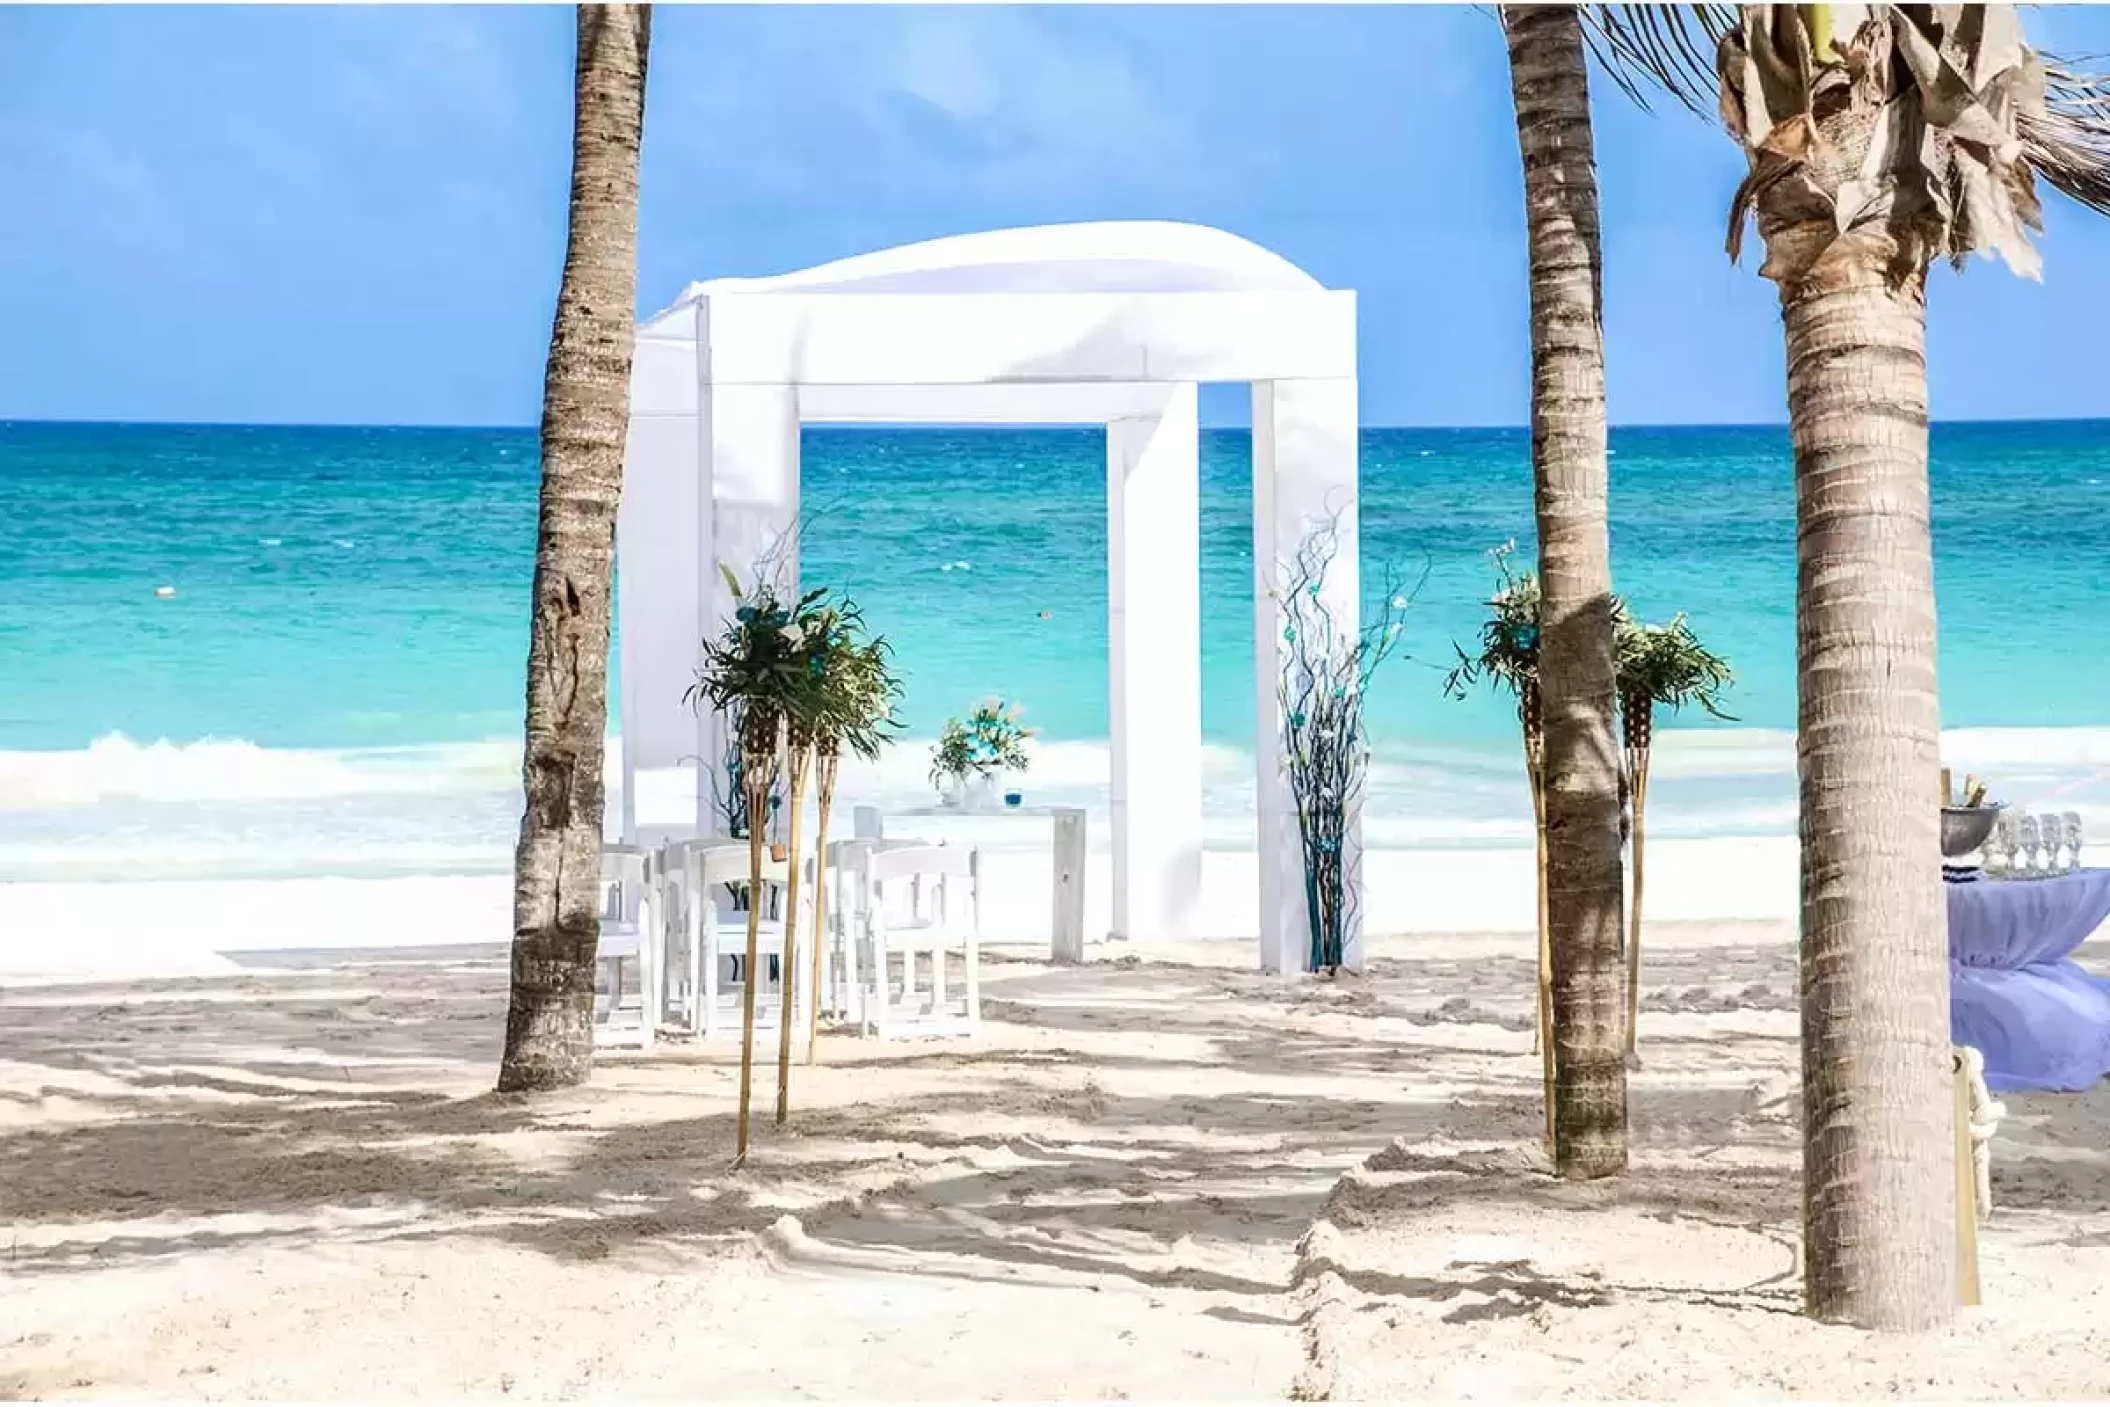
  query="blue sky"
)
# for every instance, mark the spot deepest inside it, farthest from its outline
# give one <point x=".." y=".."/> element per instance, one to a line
<point x="356" y="215"/>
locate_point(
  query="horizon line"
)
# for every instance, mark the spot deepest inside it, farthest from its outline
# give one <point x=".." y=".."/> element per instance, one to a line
<point x="825" y="427"/>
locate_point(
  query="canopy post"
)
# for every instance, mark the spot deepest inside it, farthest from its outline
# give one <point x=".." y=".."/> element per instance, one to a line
<point x="1153" y="499"/>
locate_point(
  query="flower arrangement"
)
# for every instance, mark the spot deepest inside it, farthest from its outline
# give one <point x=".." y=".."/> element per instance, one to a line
<point x="989" y="741"/>
<point x="1325" y="677"/>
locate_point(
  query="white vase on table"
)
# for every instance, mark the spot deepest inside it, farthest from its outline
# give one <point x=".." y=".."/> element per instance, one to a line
<point x="981" y="793"/>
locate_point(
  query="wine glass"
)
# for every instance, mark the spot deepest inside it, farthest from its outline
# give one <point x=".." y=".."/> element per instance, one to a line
<point x="2070" y="823"/>
<point x="2027" y="837"/>
<point x="1992" y="856"/>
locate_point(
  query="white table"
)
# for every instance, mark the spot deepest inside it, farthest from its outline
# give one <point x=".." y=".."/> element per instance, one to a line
<point x="1067" y="945"/>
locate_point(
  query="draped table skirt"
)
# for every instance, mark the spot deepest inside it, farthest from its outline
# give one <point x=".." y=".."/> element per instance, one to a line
<point x="2015" y="992"/>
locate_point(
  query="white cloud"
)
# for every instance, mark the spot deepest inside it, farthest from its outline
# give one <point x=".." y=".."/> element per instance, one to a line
<point x="892" y="106"/>
<point x="1058" y="103"/>
<point x="942" y="65"/>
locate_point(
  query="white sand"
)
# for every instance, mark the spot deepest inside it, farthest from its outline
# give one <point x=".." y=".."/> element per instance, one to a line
<point x="289" y="1182"/>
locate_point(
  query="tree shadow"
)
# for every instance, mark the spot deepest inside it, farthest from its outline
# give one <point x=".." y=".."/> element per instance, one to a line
<point x="350" y="1106"/>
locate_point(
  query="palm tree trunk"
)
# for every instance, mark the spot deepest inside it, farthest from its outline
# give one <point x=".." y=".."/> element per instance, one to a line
<point x="585" y="417"/>
<point x="1879" y="1230"/>
<point x="824" y="783"/>
<point x="788" y="967"/>
<point x="1549" y="80"/>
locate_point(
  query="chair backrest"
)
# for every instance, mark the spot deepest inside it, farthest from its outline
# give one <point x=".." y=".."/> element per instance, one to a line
<point x="623" y="877"/>
<point x="734" y="864"/>
<point x="915" y="884"/>
<point x="663" y="836"/>
<point x="912" y="860"/>
<point x="851" y="855"/>
<point x="679" y="857"/>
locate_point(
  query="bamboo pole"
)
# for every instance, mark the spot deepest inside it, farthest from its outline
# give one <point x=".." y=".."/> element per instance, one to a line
<point x="1544" y="1029"/>
<point x="788" y="969"/>
<point x="1637" y="797"/>
<point x="824" y="781"/>
<point x="1967" y="1287"/>
<point x="755" y="779"/>
<point x="1633" y="949"/>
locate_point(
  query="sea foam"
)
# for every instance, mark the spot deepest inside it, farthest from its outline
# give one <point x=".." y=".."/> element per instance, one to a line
<point x="228" y="808"/>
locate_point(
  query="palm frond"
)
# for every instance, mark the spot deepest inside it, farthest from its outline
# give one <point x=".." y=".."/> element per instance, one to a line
<point x="1668" y="48"/>
<point x="2068" y="142"/>
<point x="1673" y="49"/>
<point x="1509" y="639"/>
<point x="1667" y="666"/>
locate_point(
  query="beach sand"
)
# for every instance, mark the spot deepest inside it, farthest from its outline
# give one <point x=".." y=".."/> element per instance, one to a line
<point x="1159" y="1175"/>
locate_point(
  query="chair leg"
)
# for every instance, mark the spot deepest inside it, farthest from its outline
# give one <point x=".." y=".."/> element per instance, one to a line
<point x="853" y="990"/>
<point x="973" y="951"/>
<point x="707" y="1020"/>
<point x="699" y="984"/>
<point x="882" y="999"/>
<point x="651" y="973"/>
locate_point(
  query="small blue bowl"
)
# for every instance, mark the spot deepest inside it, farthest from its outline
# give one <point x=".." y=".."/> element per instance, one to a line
<point x="1014" y="798"/>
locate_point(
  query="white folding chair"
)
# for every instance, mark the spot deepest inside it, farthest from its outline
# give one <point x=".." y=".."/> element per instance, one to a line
<point x="849" y="936"/>
<point x="713" y="933"/>
<point x="679" y="917"/>
<point x="629" y="933"/>
<point x="922" y="900"/>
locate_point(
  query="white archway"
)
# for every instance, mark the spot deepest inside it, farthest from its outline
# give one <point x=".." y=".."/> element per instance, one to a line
<point x="1113" y="324"/>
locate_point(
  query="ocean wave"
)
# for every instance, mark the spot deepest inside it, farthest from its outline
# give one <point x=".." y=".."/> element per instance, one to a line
<point x="116" y="768"/>
<point x="196" y="856"/>
<point x="450" y="804"/>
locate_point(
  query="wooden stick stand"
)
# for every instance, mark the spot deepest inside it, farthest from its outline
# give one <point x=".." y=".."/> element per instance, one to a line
<point x="825" y="764"/>
<point x="788" y="965"/>
<point x="1544" y="1029"/>
<point x="1637" y="799"/>
<point x="1967" y="1286"/>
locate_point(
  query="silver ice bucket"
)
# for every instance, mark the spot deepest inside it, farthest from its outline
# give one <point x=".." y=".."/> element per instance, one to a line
<point x="1966" y="828"/>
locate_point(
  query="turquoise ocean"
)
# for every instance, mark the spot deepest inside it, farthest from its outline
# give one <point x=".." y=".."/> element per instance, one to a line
<point x="334" y="685"/>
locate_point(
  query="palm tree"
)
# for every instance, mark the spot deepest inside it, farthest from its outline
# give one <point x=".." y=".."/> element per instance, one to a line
<point x="1580" y="772"/>
<point x="1879" y="138"/>
<point x="585" y="415"/>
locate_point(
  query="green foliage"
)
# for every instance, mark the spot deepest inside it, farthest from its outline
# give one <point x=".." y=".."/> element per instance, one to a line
<point x="1509" y="641"/>
<point x="1664" y="665"/>
<point x="1668" y="666"/>
<point x="991" y="740"/>
<point x="861" y="691"/>
<point x="810" y="663"/>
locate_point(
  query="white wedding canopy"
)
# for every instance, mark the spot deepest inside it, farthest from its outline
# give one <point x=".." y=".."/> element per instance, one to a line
<point x="1112" y="324"/>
